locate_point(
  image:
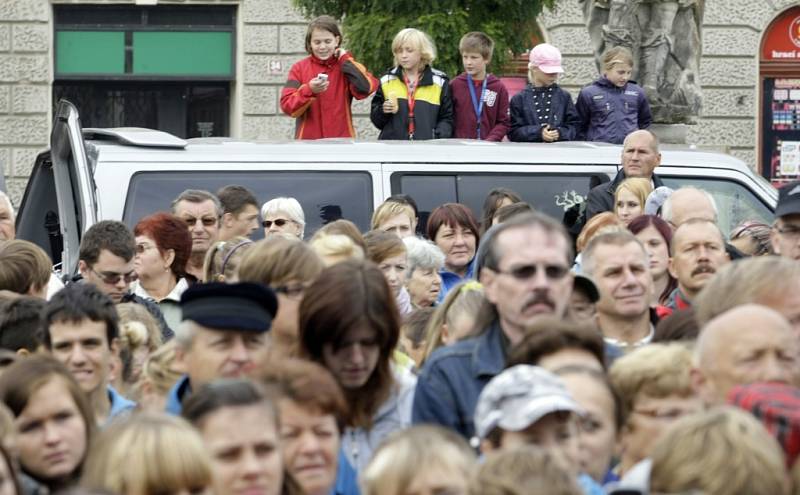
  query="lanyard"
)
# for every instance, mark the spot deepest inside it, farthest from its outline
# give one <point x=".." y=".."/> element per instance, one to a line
<point x="477" y="105"/>
<point x="411" y="104"/>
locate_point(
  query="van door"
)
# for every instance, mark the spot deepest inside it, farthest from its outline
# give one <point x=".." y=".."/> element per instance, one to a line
<point x="75" y="192"/>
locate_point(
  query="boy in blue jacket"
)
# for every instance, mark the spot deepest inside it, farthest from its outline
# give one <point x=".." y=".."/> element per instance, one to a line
<point x="613" y="106"/>
<point x="543" y="112"/>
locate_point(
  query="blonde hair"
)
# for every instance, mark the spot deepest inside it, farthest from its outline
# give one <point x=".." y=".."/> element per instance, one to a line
<point x="523" y="470"/>
<point x="390" y="209"/>
<point x="405" y="454"/>
<point x="137" y="330"/>
<point x="466" y="299"/>
<point x="158" y="371"/>
<point x="656" y="370"/>
<point x="750" y="280"/>
<point x="222" y="260"/>
<point x="278" y="260"/>
<point x="148" y="454"/>
<point x="598" y="224"/>
<point x="638" y="186"/>
<point x="619" y="55"/>
<point x="416" y="39"/>
<point x="718" y="452"/>
<point x="333" y="248"/>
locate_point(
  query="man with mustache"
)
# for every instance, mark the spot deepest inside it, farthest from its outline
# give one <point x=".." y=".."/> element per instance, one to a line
<point x="697" y="252"/>
<point x="526" y="274"/>
<point x="202" y="212"/>
<point x="618" y="264"/>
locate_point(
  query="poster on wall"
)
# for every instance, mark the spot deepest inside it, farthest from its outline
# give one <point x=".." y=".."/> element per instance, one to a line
<point x="782" y="130"/>
<point x="790" y="157"/>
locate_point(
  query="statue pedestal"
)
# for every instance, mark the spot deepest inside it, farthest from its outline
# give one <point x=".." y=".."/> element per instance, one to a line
<point x="670" y="133"/>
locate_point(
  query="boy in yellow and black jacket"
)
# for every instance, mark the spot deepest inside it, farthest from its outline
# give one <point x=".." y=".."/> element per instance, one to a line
<point x="420" y="107"/>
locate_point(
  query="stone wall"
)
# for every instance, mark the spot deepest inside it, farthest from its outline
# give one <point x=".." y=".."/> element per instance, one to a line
<point x="732" y="32"/>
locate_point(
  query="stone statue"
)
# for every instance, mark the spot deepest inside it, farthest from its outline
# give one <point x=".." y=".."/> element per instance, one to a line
<point x="664" y="37"/>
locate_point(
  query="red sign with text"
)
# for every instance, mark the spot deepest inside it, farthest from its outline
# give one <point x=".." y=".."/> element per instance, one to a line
<point x="782" y="41"/>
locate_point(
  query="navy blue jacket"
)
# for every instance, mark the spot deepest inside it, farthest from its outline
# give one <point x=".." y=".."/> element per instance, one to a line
<point x="608" y="113"/>
<point x="526" y="126"/>
<point x="454" y="376"/>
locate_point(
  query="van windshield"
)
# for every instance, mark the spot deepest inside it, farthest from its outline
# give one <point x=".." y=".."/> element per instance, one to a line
<point x="324" y="196"/>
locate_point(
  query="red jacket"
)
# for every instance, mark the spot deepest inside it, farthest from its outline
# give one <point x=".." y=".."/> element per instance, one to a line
<point x="326" y="114"/>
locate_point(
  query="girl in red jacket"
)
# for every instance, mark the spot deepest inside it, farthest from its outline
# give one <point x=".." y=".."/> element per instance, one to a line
<point x="322" y="86"/>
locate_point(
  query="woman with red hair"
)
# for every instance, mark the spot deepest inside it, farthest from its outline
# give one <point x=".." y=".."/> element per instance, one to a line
<point x="163" y="246"/>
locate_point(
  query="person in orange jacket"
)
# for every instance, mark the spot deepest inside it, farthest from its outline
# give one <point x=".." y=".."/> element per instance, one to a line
<point x="321" y="86"/>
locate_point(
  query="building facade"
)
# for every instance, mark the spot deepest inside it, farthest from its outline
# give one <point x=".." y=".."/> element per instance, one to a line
<point x="216" y="68"/>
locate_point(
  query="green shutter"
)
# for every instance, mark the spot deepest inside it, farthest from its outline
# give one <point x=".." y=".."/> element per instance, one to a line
<point x="183" y="53"/>
<point x="90" y="52"/>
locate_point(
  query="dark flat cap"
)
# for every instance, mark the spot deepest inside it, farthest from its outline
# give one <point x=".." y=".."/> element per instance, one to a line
<point x="243" y="306"/>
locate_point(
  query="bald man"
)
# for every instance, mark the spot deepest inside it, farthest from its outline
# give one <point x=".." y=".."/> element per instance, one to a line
<point x="746" y="344"/>
<point x="687" y="203"/>
<point x="640" y="157"/>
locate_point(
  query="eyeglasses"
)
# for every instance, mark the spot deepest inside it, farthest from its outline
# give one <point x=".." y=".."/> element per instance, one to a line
<point x="525" y="272"/>
<point x="280" y="222"/>
<point x="206" y="221"/>
<point x="291" y="291"/>
<point x="113" y="278"/>
<point x="141" y="248"/>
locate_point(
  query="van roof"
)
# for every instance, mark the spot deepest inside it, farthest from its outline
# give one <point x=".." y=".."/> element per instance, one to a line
<point x="200" y="150"/>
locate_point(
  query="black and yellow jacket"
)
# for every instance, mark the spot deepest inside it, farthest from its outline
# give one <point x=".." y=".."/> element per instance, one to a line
<point x="433" y="109"/>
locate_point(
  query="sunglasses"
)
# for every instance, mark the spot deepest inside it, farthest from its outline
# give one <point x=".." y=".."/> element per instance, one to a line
<point x="525" y="272"/>
<point x="206" y="221"/>
<point x="112" y="278"/>
<point x="280" y="222"/>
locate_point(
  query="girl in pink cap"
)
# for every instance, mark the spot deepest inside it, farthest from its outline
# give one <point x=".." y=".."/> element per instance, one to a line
<point x="543" y="112"/>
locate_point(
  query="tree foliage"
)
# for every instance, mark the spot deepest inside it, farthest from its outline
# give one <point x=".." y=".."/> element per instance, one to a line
<point x="370" y="25"/>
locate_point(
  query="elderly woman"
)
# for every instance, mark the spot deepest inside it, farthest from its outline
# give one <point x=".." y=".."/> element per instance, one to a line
<point x="423" y="282"/>
<point x="283" y="216"/>
<point x="163" y="247"/>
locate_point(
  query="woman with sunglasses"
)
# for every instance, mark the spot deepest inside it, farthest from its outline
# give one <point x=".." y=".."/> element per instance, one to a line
<point x="288" y="266"/>
<point x="163" y="247"/>
<point x="283" y="216"/>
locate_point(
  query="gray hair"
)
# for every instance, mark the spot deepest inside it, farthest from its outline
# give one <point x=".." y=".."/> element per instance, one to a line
<point x="666" y="208"/>
<point x="290" y="206"/>
<point x="184" y="334"/>
<point x="616" y="238"/>
<point x="4" y="197"/>
<point x="422" y="254"/>
<point x="198" y="196"/>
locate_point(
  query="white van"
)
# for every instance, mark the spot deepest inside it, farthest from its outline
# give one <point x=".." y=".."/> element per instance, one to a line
<point x="95" y="174"/>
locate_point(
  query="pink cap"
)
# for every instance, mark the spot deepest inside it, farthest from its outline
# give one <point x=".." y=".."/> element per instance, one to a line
<point x="546" y="58"/>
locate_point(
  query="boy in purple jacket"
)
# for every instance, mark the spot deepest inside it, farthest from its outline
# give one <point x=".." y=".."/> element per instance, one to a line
<point x="480" y="99"/>
<point x="613" y="106"/>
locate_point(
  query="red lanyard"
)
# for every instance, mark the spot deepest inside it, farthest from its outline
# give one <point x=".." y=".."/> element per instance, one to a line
<point x="411" y="104"/>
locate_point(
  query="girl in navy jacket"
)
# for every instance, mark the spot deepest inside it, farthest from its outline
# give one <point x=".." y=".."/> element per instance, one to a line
<point x="613" y="106"/>
<point x="543" y="112"/>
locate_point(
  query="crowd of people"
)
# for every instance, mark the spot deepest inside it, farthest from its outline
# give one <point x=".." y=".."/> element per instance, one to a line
<point x="415" y="101"/>
<point x="651" y="352"/>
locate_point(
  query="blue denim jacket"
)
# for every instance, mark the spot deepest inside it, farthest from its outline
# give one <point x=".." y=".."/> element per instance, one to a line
<point x="454" y="376"/>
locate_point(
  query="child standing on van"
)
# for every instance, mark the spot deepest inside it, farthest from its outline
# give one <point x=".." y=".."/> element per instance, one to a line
<point x="613" y="106"/>
<point x="321" y="87"/>
<point x="480" y="100"/>
<point x="413" y="100"/>
<point x="543" y="112"/>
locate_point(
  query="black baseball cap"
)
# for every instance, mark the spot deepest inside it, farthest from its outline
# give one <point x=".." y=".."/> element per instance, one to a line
<point x="243" y="306"/>
<point x="788" y="200"/>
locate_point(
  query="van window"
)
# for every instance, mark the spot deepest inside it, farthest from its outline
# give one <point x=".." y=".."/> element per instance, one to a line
<point x="325" y="196"/>
<point x="735" y="203"/>
<point x="552" y="193"/>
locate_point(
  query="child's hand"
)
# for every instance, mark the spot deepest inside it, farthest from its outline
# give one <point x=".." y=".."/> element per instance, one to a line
<point x="318" y="85"/>
<point x="390" y="106"/>
<point x="548" y="135"/>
